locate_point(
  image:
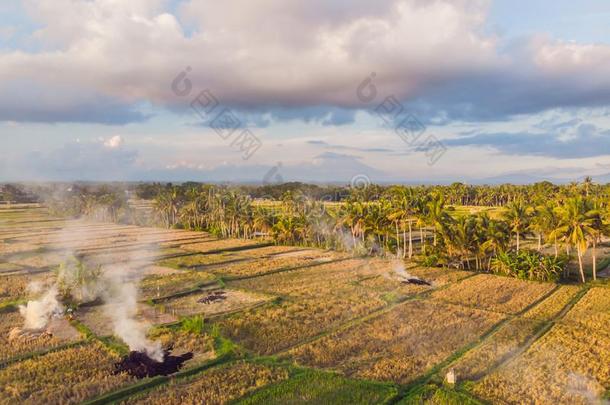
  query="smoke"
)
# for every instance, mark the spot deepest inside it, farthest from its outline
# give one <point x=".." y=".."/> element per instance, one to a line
<point x="36" y="313"/>
<point x="35" y="287"/>
<point x="399" y="269"/>
<point x="122" y="307"/>
<point x="583" y="387"/>
<point x="115" y="285"/>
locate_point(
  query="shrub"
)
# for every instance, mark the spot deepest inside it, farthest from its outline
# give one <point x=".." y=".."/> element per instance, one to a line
<point x="193" y="325"/>
<point x="430" y="260"/>
<point x="529" y="265"/>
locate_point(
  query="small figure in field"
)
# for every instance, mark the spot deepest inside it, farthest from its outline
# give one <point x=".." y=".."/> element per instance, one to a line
<point x="450" y="377"/>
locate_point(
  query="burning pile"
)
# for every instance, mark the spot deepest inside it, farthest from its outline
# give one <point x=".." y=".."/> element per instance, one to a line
<point x="139" y="365"/>
<point x="405" y="277"/>
<point x="218" y="295"/>
<point x="415" y="280"/>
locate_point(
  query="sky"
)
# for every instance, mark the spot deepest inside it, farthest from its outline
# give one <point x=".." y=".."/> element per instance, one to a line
<point x="396" y="91"/>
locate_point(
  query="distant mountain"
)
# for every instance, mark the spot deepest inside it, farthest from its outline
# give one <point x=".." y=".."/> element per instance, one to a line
<point x="519" y="178"/>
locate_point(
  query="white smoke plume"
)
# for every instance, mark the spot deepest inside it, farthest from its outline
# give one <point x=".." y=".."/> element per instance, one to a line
<point x="115" y="285"/>
<point x="399" y="269"/>
<point x="121" y="306"/>
<point x="36" y="313"/>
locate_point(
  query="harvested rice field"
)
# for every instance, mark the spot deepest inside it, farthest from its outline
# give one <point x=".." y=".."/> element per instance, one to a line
<point x="212" y="302"/>
<point x="500" y="294"/>
<point x="270" y="264"/>
<point x="214" y="245"/>
<point x="216" y="386"/>
<point x="163" y="285"/>
<point x="243" y="321"/>
<point x="512" y="335"/>
<point x="191" y="260"/>
<point x="68" y="376"/>
<point x="16" y="286"/>
<point x="11" y="347"/>
<point x="99" y="318"/>
<point x="399" y="345"/>
<point x="569" y="364"/>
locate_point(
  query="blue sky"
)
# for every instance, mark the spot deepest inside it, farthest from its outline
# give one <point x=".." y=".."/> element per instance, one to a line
<point x="583" y="21"/>
<point x="488" y="90"/>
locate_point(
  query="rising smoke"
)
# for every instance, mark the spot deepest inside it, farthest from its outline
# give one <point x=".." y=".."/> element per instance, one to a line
<point x="115" y="285"/>
<point x="121" y="306"/>
<point x="36" y="313"/>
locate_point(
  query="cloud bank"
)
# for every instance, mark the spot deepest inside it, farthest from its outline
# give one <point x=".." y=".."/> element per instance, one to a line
<point x="97" y="60"/>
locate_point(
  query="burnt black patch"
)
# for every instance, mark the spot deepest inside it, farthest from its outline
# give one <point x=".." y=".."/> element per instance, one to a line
<point x="139" y="365"/>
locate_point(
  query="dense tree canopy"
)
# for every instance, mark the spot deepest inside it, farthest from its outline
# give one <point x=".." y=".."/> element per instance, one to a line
<point x="485" y="228"/>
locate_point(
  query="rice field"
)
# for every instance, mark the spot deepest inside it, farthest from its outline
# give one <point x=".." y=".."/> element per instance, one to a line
<point x="493" y="293"/>
<point x="314" y="387"/>
<point x="11" y="348"/>
<point x="216" y="386"/>
<point x="277" y="262"/>
<point x="163" y="285"/>
<point x="569" y="364"/>
<point x="340" y="329"/>
<point x="511" y="336"/>
<point x="234" y="300"/>
<point x="99" y="320"/>
<point x="399" y="345"/>
<point x="67" y="376"/>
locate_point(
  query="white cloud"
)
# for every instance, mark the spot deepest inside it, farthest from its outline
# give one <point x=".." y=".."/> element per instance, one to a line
<point x="289" y="54"/>
<point x="113" y="142"/>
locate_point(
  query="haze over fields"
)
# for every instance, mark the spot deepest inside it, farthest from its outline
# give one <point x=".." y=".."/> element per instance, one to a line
<point x="305" y="202"/>
<point x="92" y="90"/>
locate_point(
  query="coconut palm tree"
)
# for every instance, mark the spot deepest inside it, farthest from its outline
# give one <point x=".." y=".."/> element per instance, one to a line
<point x="401" y="213"/>
<point x="462" y="238"/>
<point x="587" y="184"/>
<point x="167" y="204"/>
<point x="263" y="220"/>
<point x="577" y="226"/>
<point x="436" y="215"/>
<point x="598" y="229"/>
<point x="517" y="215"/>
<point x="497" y="239"/>
<point x="548" y="221"/>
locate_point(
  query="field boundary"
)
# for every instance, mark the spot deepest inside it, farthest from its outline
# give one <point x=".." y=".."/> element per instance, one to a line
<point x="372" y="315"/>
<point x="410" y="388"/>
<point x="283" y="270"/>
<point x="543" y="329"/>
<point x="31" y="355"/>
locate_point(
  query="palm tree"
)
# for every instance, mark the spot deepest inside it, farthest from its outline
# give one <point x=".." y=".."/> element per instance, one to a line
<point x="421" y="221"/>
<point x="587" y="183"/>
<point x="598" y="228"/>
<point x="496" y="239"/>
<point x="263" y="220"/>
<point x="402" y="202"/>
<point x="577" y="226"/>
<point x="460" y="237"/>
<point x="436" y="213"/>
<point x="548" y="221"/>
<point x="538" y="225"/>
<point x="517" y="215"/>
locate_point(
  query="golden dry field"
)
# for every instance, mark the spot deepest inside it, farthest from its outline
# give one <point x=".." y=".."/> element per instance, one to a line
<point x="569" y="364"/>
<point x="216" y="386"/>
<point x="284" y="324"/>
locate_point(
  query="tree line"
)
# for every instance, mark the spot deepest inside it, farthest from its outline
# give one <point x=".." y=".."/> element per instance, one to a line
<point x="527" y="231"/>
